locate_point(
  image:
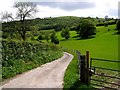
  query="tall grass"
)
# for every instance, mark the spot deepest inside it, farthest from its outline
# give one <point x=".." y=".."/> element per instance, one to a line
<point x="72" y="72"/>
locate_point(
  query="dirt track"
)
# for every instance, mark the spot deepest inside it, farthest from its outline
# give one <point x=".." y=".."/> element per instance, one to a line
<point x="49" y="75"/>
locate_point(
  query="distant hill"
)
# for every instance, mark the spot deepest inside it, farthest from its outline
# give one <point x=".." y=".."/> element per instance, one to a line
<point x="58" y="23"/>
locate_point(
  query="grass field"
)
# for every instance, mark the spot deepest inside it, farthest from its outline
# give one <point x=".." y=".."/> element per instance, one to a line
<point x="104" y="45"/>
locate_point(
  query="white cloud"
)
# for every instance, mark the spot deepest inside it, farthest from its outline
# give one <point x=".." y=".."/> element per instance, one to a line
<point x="47" y="12"/>
<point x="108" y="7"/>
<point x="6" y="5"/>
<point x="102" y="8"/>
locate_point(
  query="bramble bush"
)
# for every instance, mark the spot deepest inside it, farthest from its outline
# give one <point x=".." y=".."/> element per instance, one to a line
<point x="18" y="57"/>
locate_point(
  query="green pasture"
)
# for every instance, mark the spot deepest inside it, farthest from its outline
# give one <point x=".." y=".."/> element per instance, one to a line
<point x="104" y="45"/>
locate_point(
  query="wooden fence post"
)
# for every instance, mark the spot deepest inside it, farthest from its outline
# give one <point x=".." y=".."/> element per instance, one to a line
<point x="82" y="69"/>
<point x="87" y="68"/>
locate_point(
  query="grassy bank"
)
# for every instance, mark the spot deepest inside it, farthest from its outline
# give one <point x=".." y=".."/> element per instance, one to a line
<point x="72" y="73"/>
<point x="71" y="78"/>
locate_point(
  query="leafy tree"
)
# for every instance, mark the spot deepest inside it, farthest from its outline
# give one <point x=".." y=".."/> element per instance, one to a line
<point x="78" y="29"/>
<point x="118" y="26"/>
<point x="65" y="33"/>
<point x="54" y="38"/>
<point x="87" y="28"/>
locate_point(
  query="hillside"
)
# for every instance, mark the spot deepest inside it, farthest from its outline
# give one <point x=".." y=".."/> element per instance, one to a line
<point x="104" y="40"/>
<point x="58" y="23"/>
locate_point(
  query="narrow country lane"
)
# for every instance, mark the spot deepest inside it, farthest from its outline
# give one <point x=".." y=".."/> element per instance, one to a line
<point x="49" y="75"/>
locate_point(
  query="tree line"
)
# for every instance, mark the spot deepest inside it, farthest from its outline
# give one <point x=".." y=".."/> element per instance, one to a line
<point x="85" y="27"/>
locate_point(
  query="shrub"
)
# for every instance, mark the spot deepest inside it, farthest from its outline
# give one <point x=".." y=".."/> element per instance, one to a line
<point x="118" y="25"/>
<point x="18" y="57"/>
<point x="54" y="38"/>
<point x="56" y="41"/>
<point x="65" y="33"/>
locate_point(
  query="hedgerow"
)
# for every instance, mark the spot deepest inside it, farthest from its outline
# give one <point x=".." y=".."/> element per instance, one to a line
<point x="18" y="57"/>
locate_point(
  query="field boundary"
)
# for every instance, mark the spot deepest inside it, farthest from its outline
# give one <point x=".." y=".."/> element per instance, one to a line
<point x="111" y="81"/>
<point x="87" y="73"/>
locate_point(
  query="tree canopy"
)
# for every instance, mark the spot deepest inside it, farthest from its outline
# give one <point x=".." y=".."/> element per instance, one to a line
<point x="65" y="33"/>
<point x="86" y="28"/>
<point x="118" y="26"/>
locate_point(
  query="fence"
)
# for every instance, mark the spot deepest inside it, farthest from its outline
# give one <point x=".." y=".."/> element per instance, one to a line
<point x="97" y="76"/>
<point x="105" y="77"/>
<point x="84" y="67"/>
<point x="90" y="73"/>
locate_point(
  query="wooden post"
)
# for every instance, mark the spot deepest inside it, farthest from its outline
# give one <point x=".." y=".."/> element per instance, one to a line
<point x="82" y="69"/>
<point x="87" y="68"/>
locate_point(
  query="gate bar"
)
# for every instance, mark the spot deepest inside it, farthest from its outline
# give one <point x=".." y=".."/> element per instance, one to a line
<point x="106" y="68"/>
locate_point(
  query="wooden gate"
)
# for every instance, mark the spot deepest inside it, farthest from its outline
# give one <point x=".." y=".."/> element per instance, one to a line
<point x="98" y="76"/>
<point x="105" y="77"/>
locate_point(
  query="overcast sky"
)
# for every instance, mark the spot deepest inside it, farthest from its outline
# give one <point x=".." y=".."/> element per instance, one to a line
<point x="80" y="8"/>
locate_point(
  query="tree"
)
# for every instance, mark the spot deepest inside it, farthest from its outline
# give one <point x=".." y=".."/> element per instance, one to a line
<point x="87" y="28"/>
<point x="65" y="33"/>
<point x="78" y="29"/>
<point x="24" y="10"/>
<point x="118" y="26"/>
<point x="54" y="38"/>
<point x="6" y="16"/>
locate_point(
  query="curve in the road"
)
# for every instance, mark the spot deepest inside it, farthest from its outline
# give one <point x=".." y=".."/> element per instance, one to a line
<point x="49" y="75"/>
